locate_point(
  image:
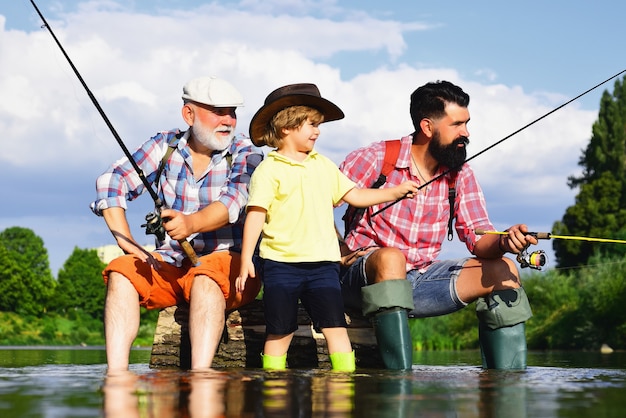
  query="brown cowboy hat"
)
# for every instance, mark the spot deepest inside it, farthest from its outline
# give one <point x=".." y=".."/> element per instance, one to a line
<point x="303" y="94"/>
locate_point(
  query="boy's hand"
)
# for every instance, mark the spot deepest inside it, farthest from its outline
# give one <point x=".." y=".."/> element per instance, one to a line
<point x="247" y="270"/>
<point x="407" y="189"/>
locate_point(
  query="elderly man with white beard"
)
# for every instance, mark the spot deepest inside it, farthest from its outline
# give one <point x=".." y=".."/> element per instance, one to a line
<point x="201" y="175"/>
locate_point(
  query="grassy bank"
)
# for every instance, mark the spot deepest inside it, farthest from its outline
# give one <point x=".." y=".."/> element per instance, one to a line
<point x="68" y="329"/>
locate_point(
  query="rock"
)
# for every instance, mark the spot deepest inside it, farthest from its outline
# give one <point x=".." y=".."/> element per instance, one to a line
<point x="605" y="349"/>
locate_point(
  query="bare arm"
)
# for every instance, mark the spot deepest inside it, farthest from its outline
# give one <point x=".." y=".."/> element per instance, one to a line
<point x="115" y="218"/>
<point x="255" y="219"/>
<point x="362" y="198"/>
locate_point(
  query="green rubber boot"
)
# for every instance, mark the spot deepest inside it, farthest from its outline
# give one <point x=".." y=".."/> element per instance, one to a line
<point x="387" y="303"/>
<point x="503" y="348"/>
<point x="391" y="327"/>
<point x="274" y="362"/>
<point x="343" y="362"/>
<point x="502" y="330"/>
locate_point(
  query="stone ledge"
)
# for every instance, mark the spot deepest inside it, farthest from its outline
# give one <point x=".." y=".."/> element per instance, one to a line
<point x="244" y="336"/>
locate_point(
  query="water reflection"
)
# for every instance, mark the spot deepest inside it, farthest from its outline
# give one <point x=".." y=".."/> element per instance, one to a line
<point x="234" y="393"/>
<point x="165" y="394"/>
<point x="443" y="385"/>
<point x="502" y="394"/>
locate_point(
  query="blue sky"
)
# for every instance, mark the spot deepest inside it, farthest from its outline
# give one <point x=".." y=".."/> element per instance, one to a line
<point x="517" y="60"/>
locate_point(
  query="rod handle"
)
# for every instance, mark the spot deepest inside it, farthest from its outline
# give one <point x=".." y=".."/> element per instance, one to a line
<point x="189" y="251"/>
<point x="538" y="235"/>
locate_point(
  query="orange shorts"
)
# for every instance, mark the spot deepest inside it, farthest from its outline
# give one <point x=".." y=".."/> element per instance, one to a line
<point x="171" y="285"/>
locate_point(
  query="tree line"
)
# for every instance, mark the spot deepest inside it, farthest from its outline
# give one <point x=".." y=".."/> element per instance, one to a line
<point x="578" y="308"/>
<point x="37" y="308"/>
<point x="577" y="305"/>
<point x="27" y="286"/>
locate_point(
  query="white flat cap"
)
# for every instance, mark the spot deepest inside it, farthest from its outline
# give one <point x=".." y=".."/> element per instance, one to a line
<point x="212" y="91"/>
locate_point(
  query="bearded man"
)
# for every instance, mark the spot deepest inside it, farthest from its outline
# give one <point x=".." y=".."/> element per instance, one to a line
<point x="202" y="176"/>
<point x="390" y="259"/>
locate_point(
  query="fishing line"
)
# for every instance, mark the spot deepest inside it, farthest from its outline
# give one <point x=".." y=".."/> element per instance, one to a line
<point x="548" y="235"/>
<point x="504" y="139"/>
<point x="153" y="220"/>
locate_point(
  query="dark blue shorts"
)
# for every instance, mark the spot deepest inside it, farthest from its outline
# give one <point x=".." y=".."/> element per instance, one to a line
<point x="316" y="285"/>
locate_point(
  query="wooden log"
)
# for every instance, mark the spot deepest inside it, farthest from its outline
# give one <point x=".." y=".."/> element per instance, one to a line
<point x="244" y="336"/>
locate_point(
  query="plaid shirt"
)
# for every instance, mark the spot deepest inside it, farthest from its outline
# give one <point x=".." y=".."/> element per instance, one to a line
<point x="226" y="180"/>
<point x="415" y="226"/>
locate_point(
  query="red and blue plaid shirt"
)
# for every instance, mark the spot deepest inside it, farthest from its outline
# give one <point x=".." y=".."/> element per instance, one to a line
<point x="415" y="226"/>
<point x="226" y="180"/>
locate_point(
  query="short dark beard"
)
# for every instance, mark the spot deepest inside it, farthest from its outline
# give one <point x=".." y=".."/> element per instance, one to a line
<point x="451" y="156"/>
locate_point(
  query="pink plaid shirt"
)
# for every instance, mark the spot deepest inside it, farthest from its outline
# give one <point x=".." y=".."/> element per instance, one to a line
<point x="415" y="226"/>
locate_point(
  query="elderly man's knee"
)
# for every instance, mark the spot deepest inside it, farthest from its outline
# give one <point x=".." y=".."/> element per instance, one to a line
<point x="117" y="281"/>
<point x="205" y="283"/>
<point x="204" y="289"/>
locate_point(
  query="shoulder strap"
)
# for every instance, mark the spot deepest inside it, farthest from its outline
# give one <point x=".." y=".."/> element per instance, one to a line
<point x="392" y="151"/>
<point x="451" y="199"/>
<point x="168" y="153"/>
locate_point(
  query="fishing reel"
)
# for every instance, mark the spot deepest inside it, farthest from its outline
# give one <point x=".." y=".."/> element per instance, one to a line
<point x="535" y="260"/>
<point x="154" y="226"/>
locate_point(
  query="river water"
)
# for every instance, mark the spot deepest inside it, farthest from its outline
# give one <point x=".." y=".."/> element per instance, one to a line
<point x="61" y="382"/>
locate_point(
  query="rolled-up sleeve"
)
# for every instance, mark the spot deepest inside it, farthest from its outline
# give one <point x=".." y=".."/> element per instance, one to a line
<point x="121" y="182"/>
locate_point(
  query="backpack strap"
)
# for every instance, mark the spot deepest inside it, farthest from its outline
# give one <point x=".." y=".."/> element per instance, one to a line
<point x="392" y="151"/>
<point x="451" y="199"/>
<point x="168" y="153"/>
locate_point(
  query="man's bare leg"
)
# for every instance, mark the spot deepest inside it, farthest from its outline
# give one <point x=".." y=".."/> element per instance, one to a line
<point x="385" y="264"/>
<point x="206" y="321"/>
<point x="121" y="321"/>
<point x="480" y="277"/>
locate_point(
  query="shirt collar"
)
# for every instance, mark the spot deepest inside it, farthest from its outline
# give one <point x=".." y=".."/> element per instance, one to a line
<point x="279" y="157"/>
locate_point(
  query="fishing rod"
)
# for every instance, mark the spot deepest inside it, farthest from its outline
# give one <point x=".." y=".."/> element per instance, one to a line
<point x="154" y="222"/>
<point x="548" y="235"/>
<point x="503" y="139"/>
<point x="538" y="259"/>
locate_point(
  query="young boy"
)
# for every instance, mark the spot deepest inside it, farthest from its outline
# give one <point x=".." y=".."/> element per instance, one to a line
<point x="292" y="195"/>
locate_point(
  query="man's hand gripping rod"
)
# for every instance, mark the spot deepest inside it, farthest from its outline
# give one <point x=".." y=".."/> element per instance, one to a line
<point x="537" y="259"/>
<point x="534" y="260"/>
<point x="153" y="220"/>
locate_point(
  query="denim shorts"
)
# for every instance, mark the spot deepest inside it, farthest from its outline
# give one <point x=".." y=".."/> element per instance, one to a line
<point x="434" y="291"/>
<point x="316" y="285"/>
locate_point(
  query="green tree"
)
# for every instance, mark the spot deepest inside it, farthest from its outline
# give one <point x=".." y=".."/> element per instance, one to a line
<point x="80" y="284"/>
<point x="600" y="207"/>
<point x="26" y="280"/>
<point x="11" y="281"/>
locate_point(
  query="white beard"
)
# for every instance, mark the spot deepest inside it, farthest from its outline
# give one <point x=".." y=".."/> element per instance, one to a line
<point x="210" y="139"/>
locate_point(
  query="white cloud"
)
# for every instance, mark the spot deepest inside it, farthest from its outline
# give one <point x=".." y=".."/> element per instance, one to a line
<point x="136" y="64"/>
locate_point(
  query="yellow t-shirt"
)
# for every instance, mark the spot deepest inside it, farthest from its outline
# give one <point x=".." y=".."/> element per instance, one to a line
<point x="299" y="198"/>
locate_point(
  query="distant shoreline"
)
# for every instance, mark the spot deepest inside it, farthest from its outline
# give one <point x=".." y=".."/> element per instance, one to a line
<point x="61" y="347"/>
